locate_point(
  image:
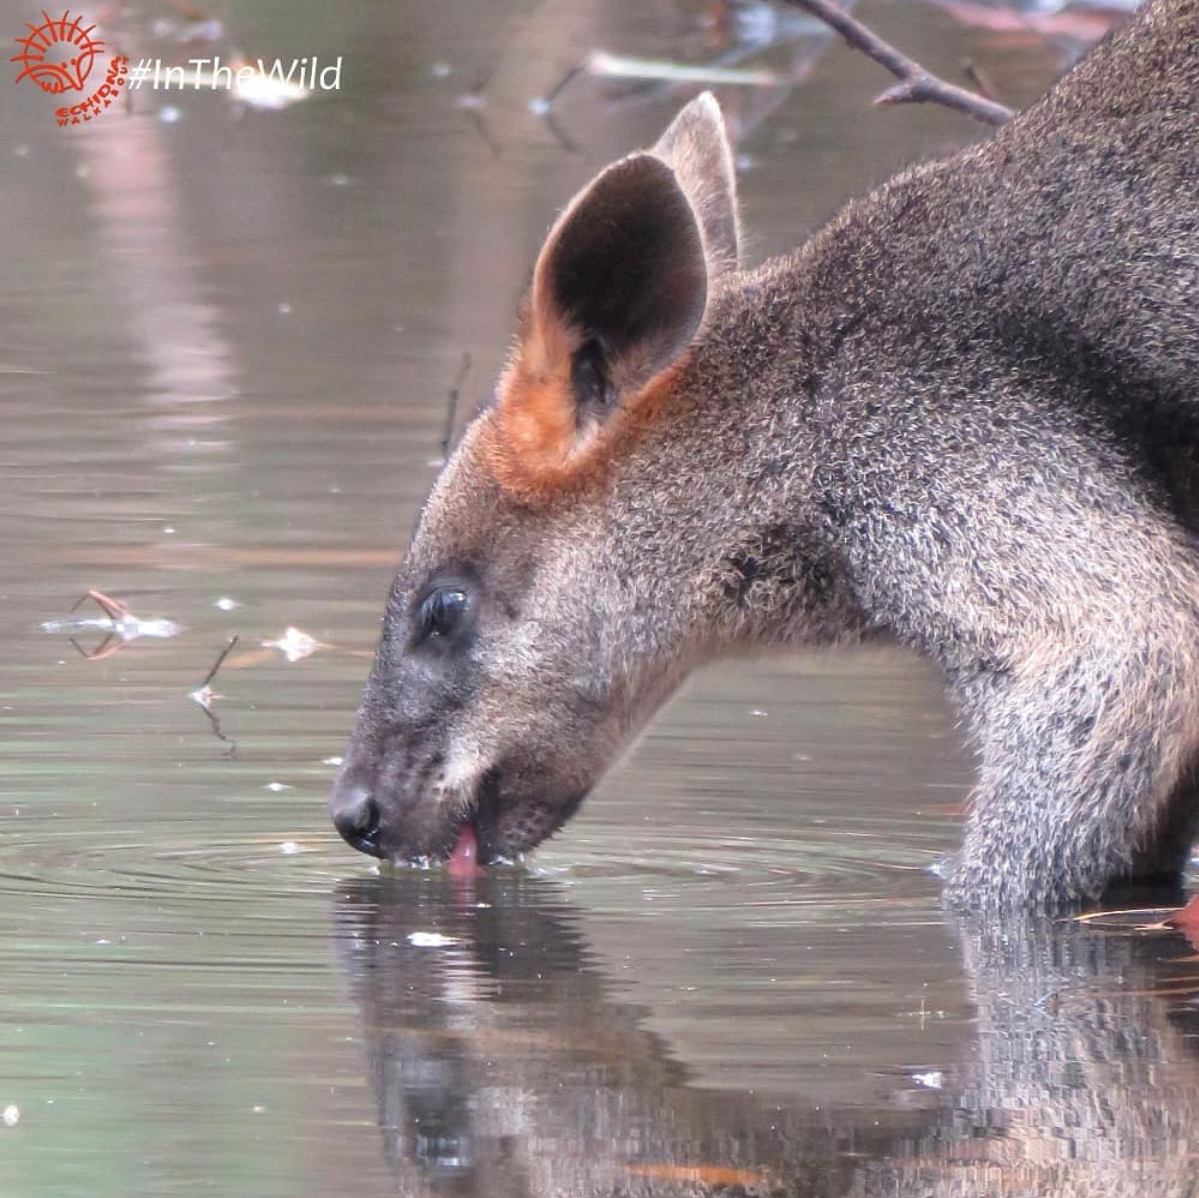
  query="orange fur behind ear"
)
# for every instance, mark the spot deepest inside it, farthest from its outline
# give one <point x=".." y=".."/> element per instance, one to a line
<point x="533" y="443"/>
<point x="534" y="447"/>
<point x="535" y="413"/>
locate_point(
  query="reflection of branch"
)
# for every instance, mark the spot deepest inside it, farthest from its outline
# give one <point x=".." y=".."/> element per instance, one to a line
<point x="542" y="105"/>
<point x="104" y="649"/>
<point x="205" y="696"/>
<point x="218" y="732"/>
<point x="472" y="103"/>
<point x="916" y="85"/>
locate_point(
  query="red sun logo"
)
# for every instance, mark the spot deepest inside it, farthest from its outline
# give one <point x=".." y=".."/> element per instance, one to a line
<point x="57" y="54"/>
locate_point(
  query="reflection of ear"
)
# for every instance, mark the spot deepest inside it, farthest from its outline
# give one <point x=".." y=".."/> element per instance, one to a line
<point x="619" y="291"/>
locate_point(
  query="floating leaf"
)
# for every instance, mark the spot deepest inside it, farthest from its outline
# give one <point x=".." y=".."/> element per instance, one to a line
<point x="1186" y="920"/>
<point x="711" y="1175"/>
<point x="294" y="644"/>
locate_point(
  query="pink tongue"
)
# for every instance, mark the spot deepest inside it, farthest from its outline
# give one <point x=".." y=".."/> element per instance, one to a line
<point x="464" y="860"/>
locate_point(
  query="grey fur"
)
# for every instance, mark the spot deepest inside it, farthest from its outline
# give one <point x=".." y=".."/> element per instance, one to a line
<point x="964" y="414"/>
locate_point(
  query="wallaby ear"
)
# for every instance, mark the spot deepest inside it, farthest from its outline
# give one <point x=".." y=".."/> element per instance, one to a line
<point x="618" y="292"/>
<point x="623" y="276"/>
<point x="696" y="147"/>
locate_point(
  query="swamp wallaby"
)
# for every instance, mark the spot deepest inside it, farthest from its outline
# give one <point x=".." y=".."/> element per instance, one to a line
<point x="964" y="414"/>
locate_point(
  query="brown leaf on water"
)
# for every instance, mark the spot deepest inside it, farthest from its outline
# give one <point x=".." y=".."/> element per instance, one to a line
<point x="1129" y="919"/>
<point x="1186" y="920"/>
<point x="712" y="1175"/>
<point x="1181" y="919"/>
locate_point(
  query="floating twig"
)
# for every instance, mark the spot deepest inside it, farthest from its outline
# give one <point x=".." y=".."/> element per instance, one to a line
<point x="980" y="80"/>
<point x="452" y="398"/>
<point x="541" y="105"/>
<point x="621" y="66"/>
<point x="916" y="85"/>
<point x="564" y="140"/>
<point x="481" y="128"/>
<point x="205" y="696"/>
<point x="214" y="723"/>
<point x="106" y="648"/>
<point x="220" y="661"/>
<point x="472" y="102"/>
<point x="482" y="82"/>
<point x="114" y="609"/>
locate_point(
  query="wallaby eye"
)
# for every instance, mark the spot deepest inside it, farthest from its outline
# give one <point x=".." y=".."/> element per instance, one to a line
<point x="441" y="612"/>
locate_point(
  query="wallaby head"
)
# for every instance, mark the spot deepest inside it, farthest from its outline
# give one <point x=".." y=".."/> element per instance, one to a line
<point x="524" y="639"/>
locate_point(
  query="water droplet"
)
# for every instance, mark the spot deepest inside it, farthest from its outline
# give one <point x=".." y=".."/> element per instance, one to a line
<point x="429" y="939"/>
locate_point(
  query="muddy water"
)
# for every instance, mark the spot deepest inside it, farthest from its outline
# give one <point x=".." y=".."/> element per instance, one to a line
<point x="227" y="343"/>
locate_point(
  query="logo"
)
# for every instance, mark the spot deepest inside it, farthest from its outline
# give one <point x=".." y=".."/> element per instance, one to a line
<point x="59" y="54"/>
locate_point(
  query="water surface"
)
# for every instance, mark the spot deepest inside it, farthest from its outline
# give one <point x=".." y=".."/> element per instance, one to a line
<point x="228" y="341"/>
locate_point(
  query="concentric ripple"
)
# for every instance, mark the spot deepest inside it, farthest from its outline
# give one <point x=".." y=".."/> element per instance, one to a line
<point x="176" y="865"/>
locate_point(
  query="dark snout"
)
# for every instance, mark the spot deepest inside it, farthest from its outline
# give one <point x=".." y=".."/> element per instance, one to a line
<point x="511" y="811"/>
<point x="356" y="816"/>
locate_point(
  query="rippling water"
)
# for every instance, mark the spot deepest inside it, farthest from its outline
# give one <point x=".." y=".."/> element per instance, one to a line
<point x="228" y="341"/>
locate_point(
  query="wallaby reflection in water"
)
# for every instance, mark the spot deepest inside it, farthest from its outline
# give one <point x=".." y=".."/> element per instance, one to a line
<point x="1085" y="1078"/>
<point x="503" y="1065"/>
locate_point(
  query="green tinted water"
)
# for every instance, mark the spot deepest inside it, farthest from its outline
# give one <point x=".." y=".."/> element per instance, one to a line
<point x="227" y="346"/>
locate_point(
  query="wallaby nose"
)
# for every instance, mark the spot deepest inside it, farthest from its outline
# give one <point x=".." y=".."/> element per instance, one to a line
<point x="356" y="817"/>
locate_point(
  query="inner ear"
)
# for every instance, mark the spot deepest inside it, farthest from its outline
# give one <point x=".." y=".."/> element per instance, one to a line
<point x="591" y="383"/>
<point x="623" y="275"/>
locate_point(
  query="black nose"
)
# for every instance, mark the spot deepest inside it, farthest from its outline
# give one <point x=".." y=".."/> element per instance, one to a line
<point x="356" y="817"/>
